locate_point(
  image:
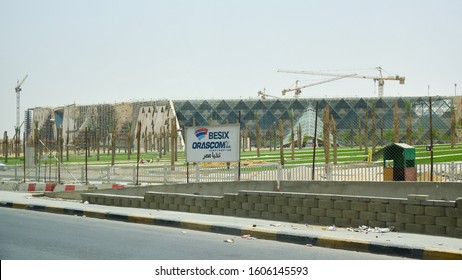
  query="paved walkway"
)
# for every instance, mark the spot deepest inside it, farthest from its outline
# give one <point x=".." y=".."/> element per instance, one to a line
<point x="415" y="246"/>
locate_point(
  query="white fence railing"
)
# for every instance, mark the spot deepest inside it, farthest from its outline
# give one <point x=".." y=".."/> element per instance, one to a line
<point x="444" y="172"/>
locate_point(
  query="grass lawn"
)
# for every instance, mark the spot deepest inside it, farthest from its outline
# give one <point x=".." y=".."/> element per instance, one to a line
<point x="441" y="153"/>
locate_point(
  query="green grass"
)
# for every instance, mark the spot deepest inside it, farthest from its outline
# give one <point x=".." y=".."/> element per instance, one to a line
<point x="441" y="153"/>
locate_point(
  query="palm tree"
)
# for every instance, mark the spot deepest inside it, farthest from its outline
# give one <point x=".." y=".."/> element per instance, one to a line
<point x="292" y="134"/>
<point x="299" y="136"/>
<point x="408" y="123"/>
<point x="334" y="136"/>
<point x="326" y="133"/>
<point x="396" y="123"/>
<point x="5" y="146"/>
<point x="113" y="144"/>
<point x="374" y="137"/>
<point x="360" y="136"/>
<point x="129" y="140"/>
<point x="274" y="136"/>
<point x="281" y="142"/>
<point x="257" y="134"/>
<point x="366" y="134"/>
<point x="453" y="128"/>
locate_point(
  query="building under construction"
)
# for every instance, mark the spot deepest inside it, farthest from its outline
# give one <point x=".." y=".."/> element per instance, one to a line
<point x="107" y="123"/>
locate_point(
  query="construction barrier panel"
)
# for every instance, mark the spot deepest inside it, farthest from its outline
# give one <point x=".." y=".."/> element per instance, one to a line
<point x="50" y="187"/>
<point x="117" y="186"/>
<point x="73" y="187"/>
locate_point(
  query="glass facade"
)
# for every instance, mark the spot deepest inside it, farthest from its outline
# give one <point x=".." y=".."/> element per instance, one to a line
<point x="352" y="116"/>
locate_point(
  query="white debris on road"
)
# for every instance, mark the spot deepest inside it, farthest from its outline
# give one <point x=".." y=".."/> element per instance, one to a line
<point x="366" y="229"/>
<point x="332" y="228"/>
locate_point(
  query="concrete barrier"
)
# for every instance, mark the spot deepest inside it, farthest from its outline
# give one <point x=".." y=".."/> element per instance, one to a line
<point x="50" y="187"/>
<point x="117" y="186"/>
<point x="31" y="187"/>
<point x="212" y="188"/>
<point x="9" y="185"/>
<point x="22" y="187"/>
<point x="69" y="187"/>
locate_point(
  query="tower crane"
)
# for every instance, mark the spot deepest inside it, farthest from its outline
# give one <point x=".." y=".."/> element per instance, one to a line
<point x="380" y="78"/>
<point x="18" y="91"/>
<point x="264" y="95"/>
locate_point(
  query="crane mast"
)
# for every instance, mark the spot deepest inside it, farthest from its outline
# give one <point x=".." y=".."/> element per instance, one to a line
<point x="18" y="93"/>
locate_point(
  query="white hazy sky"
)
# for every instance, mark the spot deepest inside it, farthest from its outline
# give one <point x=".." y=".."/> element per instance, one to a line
<point x="107" y="51"/>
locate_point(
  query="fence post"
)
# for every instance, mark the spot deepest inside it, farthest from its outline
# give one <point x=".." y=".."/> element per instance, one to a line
<point x="165" y="173"/>
<point x="82" y="173"/>
<point x="236" y="173"/>
<point x="279" y="175"/>
<point x="327" y="175"/>
<point x="452" y="172"/>
<point x="109" y="174"/>
<point x="198" y="173"/>
<point x="16" y="171"/>
<point x="134" y="174"/>
<point x="458" y="172"/>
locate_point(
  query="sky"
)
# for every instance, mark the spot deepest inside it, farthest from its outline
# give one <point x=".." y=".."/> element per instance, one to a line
<point x="109" y="51"/>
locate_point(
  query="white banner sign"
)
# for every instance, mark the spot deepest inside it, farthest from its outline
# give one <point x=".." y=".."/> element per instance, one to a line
<point x="213" y="143"/>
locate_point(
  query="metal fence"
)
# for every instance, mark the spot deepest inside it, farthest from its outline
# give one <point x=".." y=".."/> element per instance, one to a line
<point x="151" y="174"/>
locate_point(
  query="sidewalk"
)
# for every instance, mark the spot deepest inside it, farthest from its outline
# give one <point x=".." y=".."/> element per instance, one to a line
<point x="408" y="245"/>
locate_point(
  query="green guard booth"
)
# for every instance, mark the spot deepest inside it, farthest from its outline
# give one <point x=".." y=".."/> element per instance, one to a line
<point x="399" y="163"/>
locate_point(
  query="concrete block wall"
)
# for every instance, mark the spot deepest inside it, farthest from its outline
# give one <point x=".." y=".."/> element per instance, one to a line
<point x="397" y="189"/>
<point x="413" y="214"/>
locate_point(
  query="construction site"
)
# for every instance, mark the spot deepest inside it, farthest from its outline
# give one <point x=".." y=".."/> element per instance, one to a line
<point x="363" y="143"/>
<point x="267" y="123"/>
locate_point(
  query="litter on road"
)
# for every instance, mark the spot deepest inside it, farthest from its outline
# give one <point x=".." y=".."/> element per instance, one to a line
<point x="367" y="229"/>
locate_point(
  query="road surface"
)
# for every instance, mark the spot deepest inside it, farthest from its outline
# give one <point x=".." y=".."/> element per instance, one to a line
<point x="30" y="235"/>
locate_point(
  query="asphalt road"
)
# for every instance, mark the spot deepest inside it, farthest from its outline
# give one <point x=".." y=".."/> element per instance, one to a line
<point x="29" y="235"/>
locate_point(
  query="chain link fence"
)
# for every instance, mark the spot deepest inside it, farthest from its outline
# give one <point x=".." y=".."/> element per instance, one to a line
<point x="442" y="172"/>
<point x="357" y="139"/>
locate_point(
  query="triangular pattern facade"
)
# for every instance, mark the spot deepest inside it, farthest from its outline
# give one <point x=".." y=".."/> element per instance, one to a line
<point x="347" y="113"/>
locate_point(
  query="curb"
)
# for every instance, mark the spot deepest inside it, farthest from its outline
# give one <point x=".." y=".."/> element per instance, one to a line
<point x="280" y="236"/>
